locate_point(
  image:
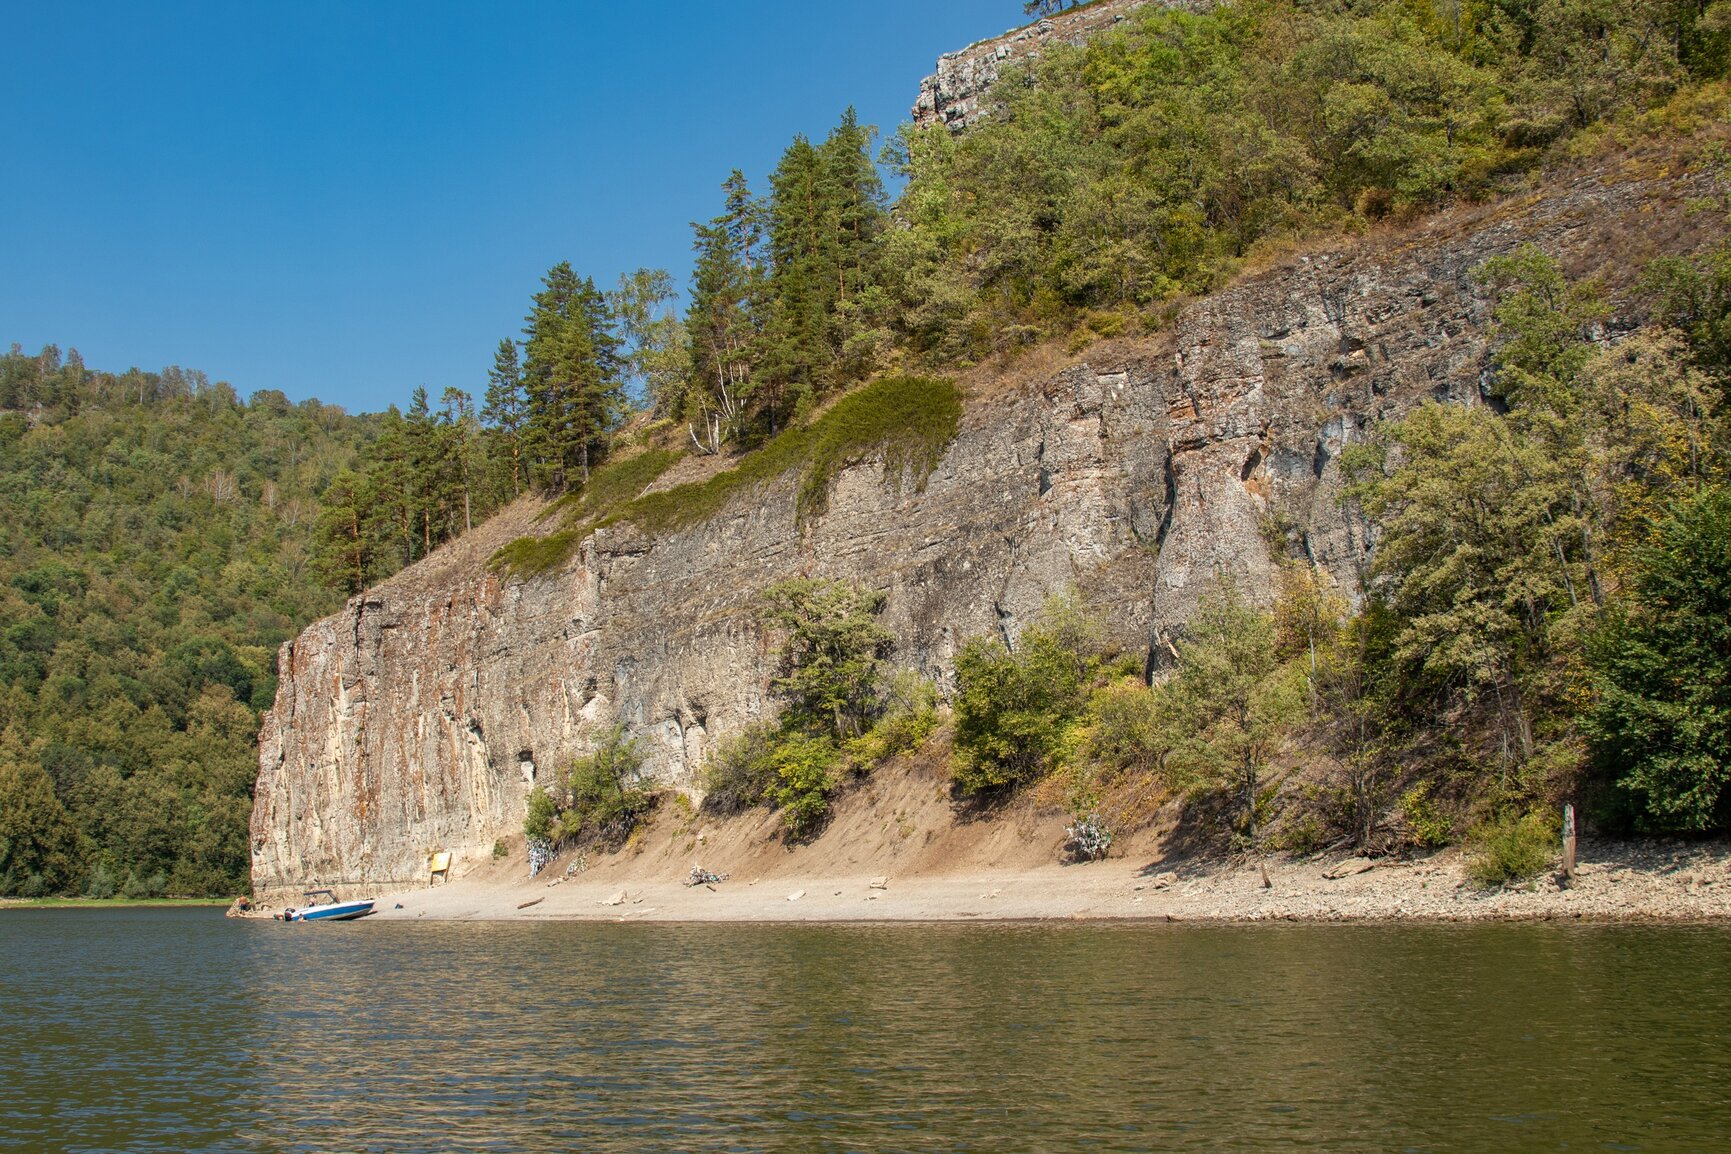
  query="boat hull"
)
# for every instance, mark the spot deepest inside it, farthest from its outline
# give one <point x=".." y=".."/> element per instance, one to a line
<point x="339" y="912"/>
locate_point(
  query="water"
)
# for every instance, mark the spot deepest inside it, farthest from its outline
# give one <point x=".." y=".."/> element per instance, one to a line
<point x="142" y="1030"/>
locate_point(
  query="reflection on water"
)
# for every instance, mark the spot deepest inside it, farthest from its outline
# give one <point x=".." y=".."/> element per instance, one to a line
<point x="180" y="1030"/>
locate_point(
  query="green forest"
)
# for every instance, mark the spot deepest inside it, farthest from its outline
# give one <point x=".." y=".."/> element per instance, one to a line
<point x="156" y="552"/>
<point x="166" y="536"/>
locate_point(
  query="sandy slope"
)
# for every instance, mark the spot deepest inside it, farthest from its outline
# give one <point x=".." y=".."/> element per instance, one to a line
<point x="931" y="862"/>
<point x="1617" y="881"/>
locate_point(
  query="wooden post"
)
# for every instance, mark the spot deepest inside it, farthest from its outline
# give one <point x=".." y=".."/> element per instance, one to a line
<point x="1569" y="843"/>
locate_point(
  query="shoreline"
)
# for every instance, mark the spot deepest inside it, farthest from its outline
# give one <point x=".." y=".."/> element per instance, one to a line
<point x="1625" y="883"/>
<point x="110" y="903"/>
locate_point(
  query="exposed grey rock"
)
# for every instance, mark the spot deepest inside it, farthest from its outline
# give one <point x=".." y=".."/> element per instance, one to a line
<point x="1144" y="473"/>
<point x="957" y="94"/>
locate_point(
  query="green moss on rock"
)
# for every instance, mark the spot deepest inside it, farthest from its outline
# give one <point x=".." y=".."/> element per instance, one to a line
<point x="910" y="421"/>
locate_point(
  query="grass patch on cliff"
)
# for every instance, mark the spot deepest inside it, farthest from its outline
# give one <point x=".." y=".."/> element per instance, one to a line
<point x="911" y="421"/>
<point x="528" y="557"/>
<point x="616" y="483"/>
<point x="577" y="513"/>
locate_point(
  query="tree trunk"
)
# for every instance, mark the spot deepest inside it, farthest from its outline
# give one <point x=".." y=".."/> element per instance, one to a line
<point x="360" y="559"/>
<point x="1250" y="800"/>
<point x="1569" y="843"/>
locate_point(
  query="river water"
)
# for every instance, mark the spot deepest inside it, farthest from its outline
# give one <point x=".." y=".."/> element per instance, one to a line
<point x="180" y="1030"/>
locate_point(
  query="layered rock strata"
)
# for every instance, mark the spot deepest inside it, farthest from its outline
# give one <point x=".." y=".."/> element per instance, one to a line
<point x="1143" y="472"/>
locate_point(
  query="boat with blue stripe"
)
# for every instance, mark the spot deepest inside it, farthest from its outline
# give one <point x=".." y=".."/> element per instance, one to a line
<point x="323" y="906"/>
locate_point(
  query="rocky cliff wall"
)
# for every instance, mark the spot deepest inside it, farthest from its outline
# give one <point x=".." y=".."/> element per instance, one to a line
<point x="1142" y="472"/>
<point x="954" y="94"/>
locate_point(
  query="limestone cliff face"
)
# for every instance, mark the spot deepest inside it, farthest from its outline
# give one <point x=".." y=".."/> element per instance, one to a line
<point x="419" y="716"/>
<point x="1142" y="472"/>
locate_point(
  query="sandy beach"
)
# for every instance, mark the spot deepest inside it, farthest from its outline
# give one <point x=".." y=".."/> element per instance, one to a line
<point x="1616" y="881"/>
<point x="897" y="849"/>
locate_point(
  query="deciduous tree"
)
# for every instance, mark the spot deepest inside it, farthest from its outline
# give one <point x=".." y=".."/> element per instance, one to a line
<point x="1230" y="703"/>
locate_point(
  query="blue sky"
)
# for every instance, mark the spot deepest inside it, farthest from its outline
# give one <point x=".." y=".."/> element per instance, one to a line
<point x="346" y="200"/>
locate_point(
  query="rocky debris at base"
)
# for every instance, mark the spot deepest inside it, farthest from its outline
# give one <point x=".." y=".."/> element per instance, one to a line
<point x="1615" y="881"/>
<point x="702" y="877"/>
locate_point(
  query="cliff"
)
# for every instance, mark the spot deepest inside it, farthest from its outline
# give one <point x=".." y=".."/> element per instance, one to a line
<point x="1141" y="471"/>
<point x="952" y="95"/>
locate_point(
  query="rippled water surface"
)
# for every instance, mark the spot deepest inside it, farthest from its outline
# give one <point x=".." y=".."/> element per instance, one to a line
<point x="180" y="1030"/>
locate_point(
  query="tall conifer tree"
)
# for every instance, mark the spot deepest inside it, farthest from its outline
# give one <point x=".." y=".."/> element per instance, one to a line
<point x="723" y="322"/>
<point x="504" y="411"/>
<point x="825" y="220"/>
<point x="571" y="377"/>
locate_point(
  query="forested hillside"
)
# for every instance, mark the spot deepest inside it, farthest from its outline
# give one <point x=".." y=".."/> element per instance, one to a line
<point x="154" y="554"/>
<point x="1113" y="182"/>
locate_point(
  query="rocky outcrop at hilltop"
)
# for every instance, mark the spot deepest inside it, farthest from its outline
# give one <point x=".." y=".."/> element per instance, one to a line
<point x="1143" y="472"/>
<point x="953" y="95"/>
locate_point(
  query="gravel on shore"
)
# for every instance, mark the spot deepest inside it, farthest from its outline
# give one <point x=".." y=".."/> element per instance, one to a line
<point x="1615" y="881"/>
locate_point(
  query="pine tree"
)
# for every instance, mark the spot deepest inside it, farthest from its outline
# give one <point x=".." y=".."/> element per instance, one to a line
<point x="424" y="468"/>
<point x="571" y="376"/>
<point x="722" y="324"/>
<point x="854" y="188"/>
<point x="343" y="535"/>
<point x="1662" y="724"/>
<point x="391" y="505"/>
<point x="826" y="217"/>
<point x="803" y="281"/>
<point x="546" y="396"/>
<point x="504" y="411"/>
<point x="832" y="650"/>
<point x="461" y="469"/>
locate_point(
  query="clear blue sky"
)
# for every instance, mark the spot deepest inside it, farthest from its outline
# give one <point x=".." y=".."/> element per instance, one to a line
<point x="346" y="200"/>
